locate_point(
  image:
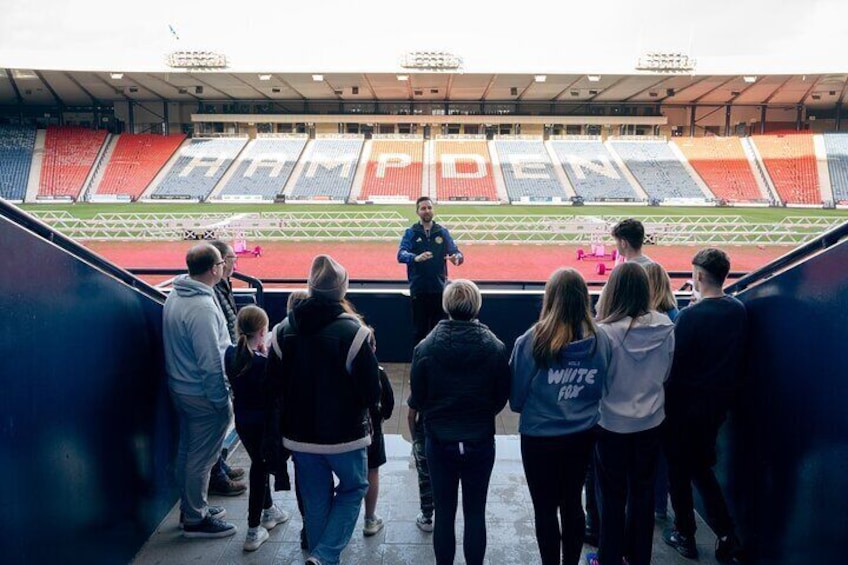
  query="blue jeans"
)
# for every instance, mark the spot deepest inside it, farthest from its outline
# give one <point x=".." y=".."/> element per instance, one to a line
<point x="469" y="463"/>
<point x="330" y="517"/>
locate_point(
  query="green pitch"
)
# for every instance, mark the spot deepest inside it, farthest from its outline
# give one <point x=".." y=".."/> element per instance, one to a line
<point x="754" y="215"/>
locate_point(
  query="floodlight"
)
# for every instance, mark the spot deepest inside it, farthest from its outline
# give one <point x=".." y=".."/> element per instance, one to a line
<point x="594" y="78"/>
<point x="540" y="78"/>
<point x="318" y="78"/>
<point x="403" y="77"/>
<point x="750" y="79"/>
<point x="116" y="76"/>
<point x="264" y="77"/>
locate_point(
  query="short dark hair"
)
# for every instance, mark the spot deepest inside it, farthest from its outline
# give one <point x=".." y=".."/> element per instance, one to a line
<point x="201" y="258"/>
<point x="420" y="200"/>
<point x="630" y="230"/>
<point x="221" y="246"/>
<point x="714" y="262"/>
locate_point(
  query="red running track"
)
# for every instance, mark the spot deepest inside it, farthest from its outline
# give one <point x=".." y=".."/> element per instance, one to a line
<point x="377" y="260"/>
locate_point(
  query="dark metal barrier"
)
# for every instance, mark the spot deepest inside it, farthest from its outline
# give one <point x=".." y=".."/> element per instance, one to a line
<point x="784" y="451"/>
<point x="87" y="435"/>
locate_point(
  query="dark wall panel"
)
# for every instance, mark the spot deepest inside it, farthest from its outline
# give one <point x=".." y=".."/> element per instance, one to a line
<point x="785" y="448"/>
<point x="86" y="429"/>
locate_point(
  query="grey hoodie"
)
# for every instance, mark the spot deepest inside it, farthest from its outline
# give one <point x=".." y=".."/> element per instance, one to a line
<point x="195" y="336"/>
<point x="633" y="397"/>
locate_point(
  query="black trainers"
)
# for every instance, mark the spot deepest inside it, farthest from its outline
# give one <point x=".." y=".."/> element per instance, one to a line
<point x="209" y="528"/>
<point x="685" y="545"/>
<point x="729" y="550"/>
<point x="226" y="487"/>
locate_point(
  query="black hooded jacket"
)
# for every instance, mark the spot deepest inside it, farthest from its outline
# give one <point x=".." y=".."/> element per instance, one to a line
<point x="322" y="369"/>
<point x="460" y="381"/>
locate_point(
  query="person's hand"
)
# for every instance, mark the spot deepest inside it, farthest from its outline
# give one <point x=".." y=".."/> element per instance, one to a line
<point x="456" y="259"/>
<point x="426" y="256"/>
<point x="262" y="347"/>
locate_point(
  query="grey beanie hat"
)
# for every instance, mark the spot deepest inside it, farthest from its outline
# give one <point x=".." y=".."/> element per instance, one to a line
<point x="327" y="279"/>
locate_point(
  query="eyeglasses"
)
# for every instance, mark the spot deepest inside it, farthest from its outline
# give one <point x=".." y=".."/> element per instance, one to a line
<point x="231" y="258"/>
<point x="220" y="263"/>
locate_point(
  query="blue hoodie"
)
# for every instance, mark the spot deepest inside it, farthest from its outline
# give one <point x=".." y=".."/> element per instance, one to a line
<point x="195" y="338"/>
<point x="563" y="398"/>
<point x="642" y="351"/>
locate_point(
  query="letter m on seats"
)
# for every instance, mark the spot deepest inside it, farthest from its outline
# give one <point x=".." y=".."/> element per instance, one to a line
<point x="212" y="165"/>
<point x="330" y="164"/>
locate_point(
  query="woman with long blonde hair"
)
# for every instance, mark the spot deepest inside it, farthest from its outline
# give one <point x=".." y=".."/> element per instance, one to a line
<point x="662" y="299"/>
<point x="558" y="368"/>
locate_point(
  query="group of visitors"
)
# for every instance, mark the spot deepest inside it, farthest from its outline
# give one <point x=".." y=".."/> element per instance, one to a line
<point x="626" y="400"/>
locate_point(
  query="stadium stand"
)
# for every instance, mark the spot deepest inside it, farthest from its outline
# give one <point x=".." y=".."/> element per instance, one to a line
<point x="16" y="147"/>
<point x="464" y="171"/>
<point x="69" y="153"/>
<point x="199" y="168"/>
<point x="837" y="164"/>
<point x="328" y="169"/>
<point x="592" y="170"/>
<point x="264" y="168"/>
<point x="658" y="170"/>
<point x="135" y="162"/>
<point x="394" y="169"/>
<point x="528" y="171"/>
<point x="791" y="163"/>
<point x="723" y="165"/>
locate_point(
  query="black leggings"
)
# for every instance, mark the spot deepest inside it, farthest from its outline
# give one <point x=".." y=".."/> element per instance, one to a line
<point x="260" y="489"/>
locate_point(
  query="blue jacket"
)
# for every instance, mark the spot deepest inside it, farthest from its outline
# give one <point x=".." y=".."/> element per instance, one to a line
<point x="426" y="277"/>
<point x="563" y="398"/>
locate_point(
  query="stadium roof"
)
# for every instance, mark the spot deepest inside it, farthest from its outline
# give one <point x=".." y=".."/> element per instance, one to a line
<point x="70" y="50"/>
<point x="83" y="88"/>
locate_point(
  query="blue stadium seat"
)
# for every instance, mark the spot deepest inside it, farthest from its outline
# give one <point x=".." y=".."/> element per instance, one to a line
<point x="837" y="164"/>
<point x="16" y="147"/>
<point x="657" y="169"/>
<point x="199" y="168"/>
<point x="264" y="168"/>
<point x="592" y="171"/>
<point x="328" y="170"/>
<point x="528" y="171"/>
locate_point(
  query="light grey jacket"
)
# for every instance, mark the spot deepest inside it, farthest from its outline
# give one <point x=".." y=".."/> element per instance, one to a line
<point x="642" y="350"/>
<point x="195" y="338"/>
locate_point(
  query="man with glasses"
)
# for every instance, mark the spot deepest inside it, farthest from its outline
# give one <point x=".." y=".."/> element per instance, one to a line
<point x="194" y="333"/>
<point x="226" y="480"/>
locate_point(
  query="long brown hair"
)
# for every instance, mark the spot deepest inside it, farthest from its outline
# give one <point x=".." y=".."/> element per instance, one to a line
<point x="662" y="299"/>
<point x="250" y="321"/>
<point x="566" y="315"/>
<point x="626" y="294"/>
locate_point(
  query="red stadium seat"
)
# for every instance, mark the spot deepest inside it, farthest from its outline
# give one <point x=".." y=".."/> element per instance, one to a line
<point x="722" y="164"/>
<point x="791" y="164"/>
<point x="69" y="153"/>
<point x="135" y="162"/>
<point x="464" y="171"/>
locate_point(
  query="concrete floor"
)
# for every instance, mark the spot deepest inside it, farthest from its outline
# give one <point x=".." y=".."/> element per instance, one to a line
<point x="511" y="538"/>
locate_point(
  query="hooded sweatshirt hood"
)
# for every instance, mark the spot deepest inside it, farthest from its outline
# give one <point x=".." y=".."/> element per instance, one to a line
<point x="195" y="338"/>
<point x="642" y="351"/>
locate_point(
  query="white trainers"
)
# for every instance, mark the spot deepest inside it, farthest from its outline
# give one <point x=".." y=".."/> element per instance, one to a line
<point x="273" y="516"/>
<point x="424" y="523"/>
<point x="372" y="526"/>
<point x="255" y="537"/>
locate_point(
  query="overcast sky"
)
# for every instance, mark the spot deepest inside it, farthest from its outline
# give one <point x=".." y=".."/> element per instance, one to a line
<point x="773" y="36"/>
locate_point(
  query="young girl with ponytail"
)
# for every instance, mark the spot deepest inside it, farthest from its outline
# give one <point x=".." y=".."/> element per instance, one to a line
<point x="245" y="364"/>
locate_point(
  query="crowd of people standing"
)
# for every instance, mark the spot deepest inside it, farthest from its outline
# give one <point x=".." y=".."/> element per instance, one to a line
<point x="622" y="401"/>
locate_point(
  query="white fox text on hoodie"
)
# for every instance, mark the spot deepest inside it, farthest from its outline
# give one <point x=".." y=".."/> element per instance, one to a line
<point x="642" y="350"/>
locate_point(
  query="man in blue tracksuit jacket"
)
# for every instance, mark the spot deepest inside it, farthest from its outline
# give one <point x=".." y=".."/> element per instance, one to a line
<point x="425" y="248"/>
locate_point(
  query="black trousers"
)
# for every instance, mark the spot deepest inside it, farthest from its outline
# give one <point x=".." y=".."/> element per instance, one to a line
<point x="626" y="466"/>
<point x="690" y="447"/>
<point x="426" y="313"/>
<point x="555" y="468"/>
<point x="250" y="431"/>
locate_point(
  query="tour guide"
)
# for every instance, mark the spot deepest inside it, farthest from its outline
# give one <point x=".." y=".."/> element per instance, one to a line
<point x="424" y="248"/>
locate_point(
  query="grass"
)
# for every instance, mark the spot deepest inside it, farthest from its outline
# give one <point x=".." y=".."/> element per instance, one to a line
<point x="754" y="215"/>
